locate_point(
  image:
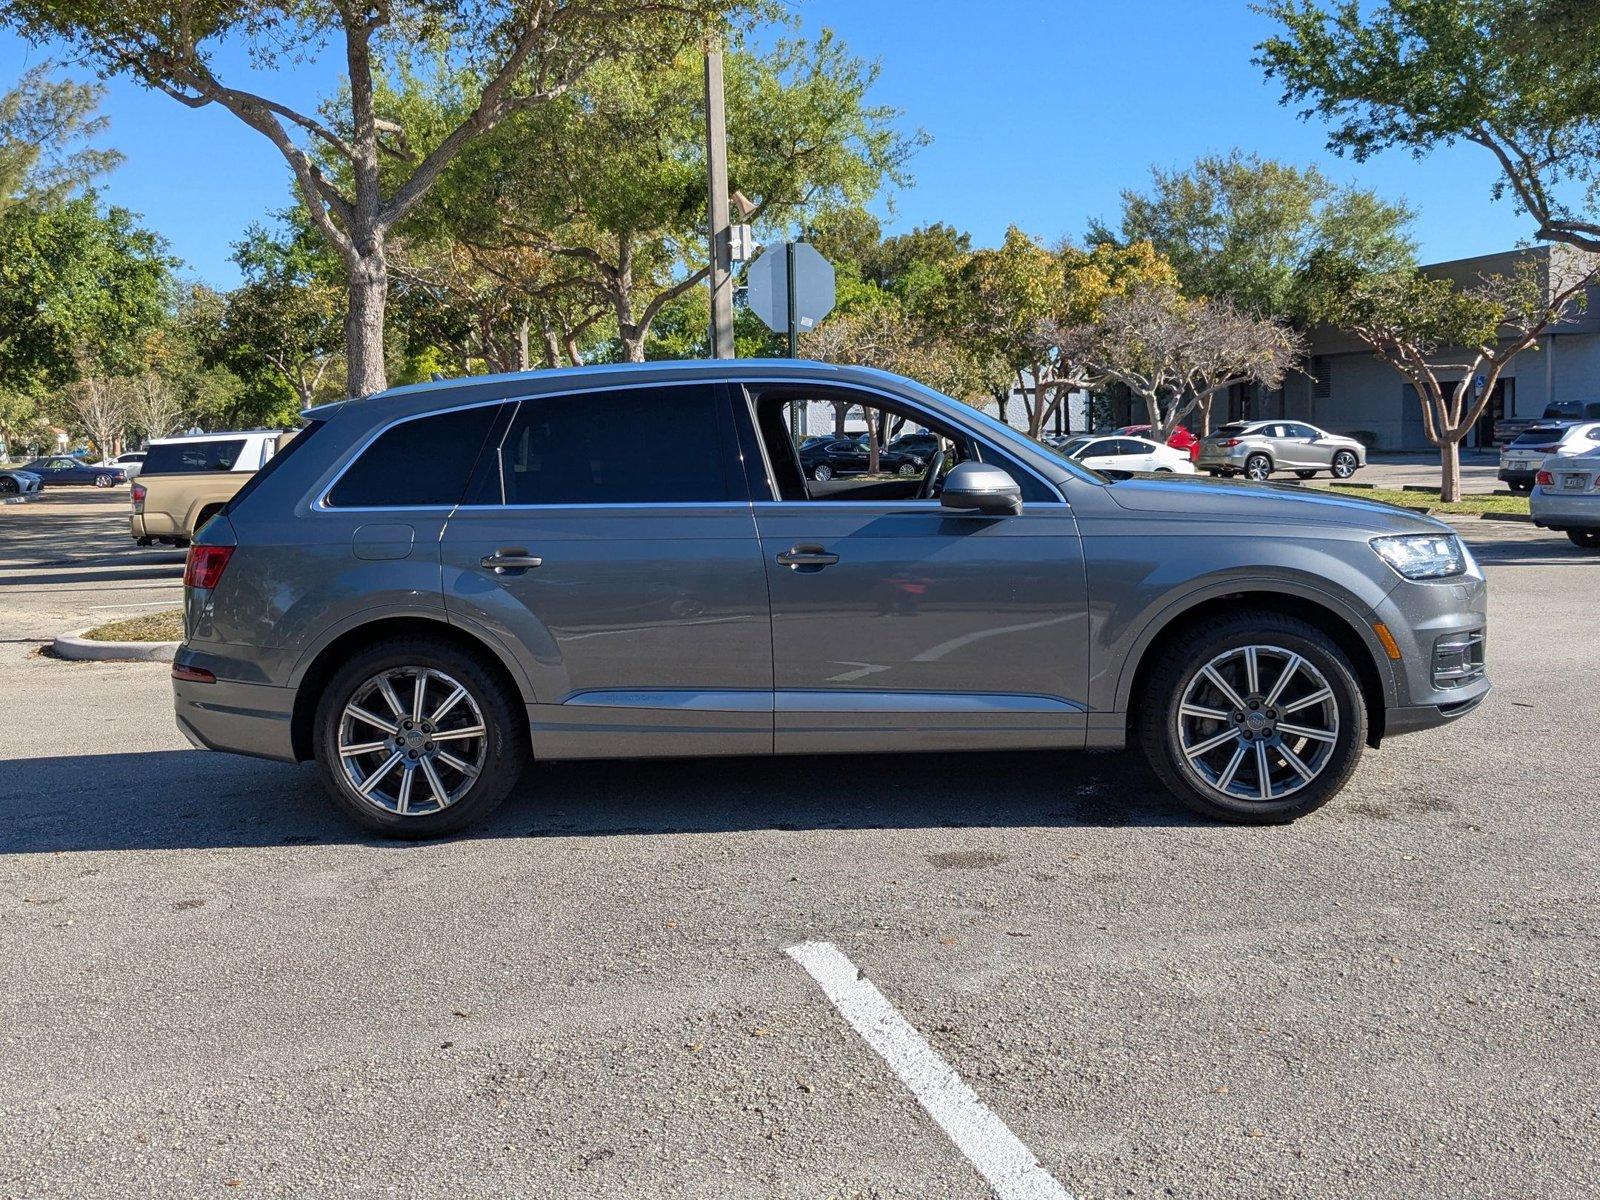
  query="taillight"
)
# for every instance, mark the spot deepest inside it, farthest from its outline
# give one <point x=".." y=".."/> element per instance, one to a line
<point x="1228" y="442"/>
<point x="1544" y="478"/>
<point x="139" y="492"/>
<point x="205" y="566"/>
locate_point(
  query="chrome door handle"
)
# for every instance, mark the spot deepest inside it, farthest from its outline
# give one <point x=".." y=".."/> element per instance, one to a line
<point x="807" y="556"/>
<point x="502" y="562"/>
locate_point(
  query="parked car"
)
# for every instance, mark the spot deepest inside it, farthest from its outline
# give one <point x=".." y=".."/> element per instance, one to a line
<point x="187" y="480"/>
<point x="1256" y="449"/>
<point x="15" y="481"/>
<point x="1507" y="429"/>
<point x="1520" y="460"/>
<point x="1100" y="453"/>
<point x="65" y="471"/>
<point x="849" y="456"/>
<point x="131" y="463"/>
<point x="431" y="588"/>
<point x="1566" y="496"/>
<point x="1179" y="439"/>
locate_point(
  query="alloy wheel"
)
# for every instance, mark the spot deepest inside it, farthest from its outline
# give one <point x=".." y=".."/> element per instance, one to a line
<point x="1258" y="468"/>
<point x="823" y="473"/>
<point x="1344" y="464"/>
<point x="1257" y="723"/>
<point x="412" y="741"/>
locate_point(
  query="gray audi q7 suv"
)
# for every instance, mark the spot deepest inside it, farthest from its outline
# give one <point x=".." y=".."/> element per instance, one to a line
<point x="433" y="586"/>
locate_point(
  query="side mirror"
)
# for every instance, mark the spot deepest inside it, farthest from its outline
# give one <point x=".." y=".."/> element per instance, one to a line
<point x="979" y="487"/>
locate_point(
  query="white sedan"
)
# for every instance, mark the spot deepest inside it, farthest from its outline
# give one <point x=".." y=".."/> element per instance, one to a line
<point x="1120" y="452"/>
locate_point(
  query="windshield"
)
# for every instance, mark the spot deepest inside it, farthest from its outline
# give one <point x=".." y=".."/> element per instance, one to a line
<point x="1233" y="430"/>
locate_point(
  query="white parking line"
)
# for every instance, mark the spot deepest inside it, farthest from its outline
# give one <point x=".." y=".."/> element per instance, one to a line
<point x="1009" y="1166"/>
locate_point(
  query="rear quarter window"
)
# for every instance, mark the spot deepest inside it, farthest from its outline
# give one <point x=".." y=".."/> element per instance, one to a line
<point x="424" y="462"/>
<point x="186" y="458"/>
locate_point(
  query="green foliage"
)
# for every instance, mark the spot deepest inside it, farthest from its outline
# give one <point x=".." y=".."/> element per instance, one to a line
<point x="1520" y="78"/>
<point x="78" y="285"/>
<point x="43" y="125"/>
<point x="1245" y="228"/>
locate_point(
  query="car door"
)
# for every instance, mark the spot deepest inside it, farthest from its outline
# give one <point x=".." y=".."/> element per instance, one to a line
<point x="902" y="625"/>
<point x="1308" y="450"/>
<point x="608" y="545"/>
<point x="1100" y="456"/>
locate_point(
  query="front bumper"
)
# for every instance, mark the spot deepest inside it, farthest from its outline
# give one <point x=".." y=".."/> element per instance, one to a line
<point x="1429" y="620"/>
<point x="1555" y="510"/>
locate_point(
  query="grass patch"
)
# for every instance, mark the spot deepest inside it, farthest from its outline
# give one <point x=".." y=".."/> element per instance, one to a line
<point x="152" y="627"/>
<point x="1469" y="505"/>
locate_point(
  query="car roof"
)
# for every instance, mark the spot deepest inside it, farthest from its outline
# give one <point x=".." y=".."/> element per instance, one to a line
<point x="471" y="389"/>
<point x="211" y="437"/>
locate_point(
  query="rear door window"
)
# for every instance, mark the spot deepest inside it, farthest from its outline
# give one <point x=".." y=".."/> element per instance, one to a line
<point x="186" y="458"/>
<point x="424" y="462"/>
<point x="646" y="445"/>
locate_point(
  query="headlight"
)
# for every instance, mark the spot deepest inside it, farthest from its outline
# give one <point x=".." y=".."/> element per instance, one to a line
<point x="1423" y="555"/>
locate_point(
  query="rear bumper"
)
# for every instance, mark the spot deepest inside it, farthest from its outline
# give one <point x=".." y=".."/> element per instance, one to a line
<point x="238" y="718"/>
<point x="1552" y="510"/>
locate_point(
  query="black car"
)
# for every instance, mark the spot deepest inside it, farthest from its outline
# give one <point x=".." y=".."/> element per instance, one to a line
<point x="62" y="470"/>
<point x="827" y="457"/>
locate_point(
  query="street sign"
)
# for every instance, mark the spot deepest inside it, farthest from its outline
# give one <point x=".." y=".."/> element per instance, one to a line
<point x="770" y="287"/>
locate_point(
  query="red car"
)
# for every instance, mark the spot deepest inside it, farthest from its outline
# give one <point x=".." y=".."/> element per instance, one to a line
<point x="1179" y="439"/>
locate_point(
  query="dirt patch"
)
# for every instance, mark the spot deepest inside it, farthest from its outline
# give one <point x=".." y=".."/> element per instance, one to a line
<point x="165" y="626"/>
<point x="965" y="860"/>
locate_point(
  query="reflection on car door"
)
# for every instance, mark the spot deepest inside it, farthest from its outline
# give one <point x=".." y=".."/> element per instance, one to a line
<point x="904" y="625"/>
<point x="623" y="572"/>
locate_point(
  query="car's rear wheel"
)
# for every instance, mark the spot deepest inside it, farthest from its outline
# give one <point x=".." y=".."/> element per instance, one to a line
<point x="1257" y="719"/>
<point x="1584" y="539"/>
<point x="1344" y="464"/>
<point x="822" y="472"/>
<point x="1305" y="474"/>
<point x="1258" y="467"/>
<point x="417" y="738"/>
<point x="1523" y="488"/>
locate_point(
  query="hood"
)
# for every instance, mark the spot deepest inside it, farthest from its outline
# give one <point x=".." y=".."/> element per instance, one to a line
<point x="1213" y="499"/>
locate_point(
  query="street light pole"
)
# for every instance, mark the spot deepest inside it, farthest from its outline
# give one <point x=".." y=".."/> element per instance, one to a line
<point x="721" y="278"/>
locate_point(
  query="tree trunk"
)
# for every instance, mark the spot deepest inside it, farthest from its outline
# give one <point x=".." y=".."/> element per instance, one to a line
<point x="523" y="360"/>
<point x="1449" y="469"/>
<point x="363" y="325"/>
<point x="840" y="412"/>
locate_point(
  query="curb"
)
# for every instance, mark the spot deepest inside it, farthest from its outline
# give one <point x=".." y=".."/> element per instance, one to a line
<point x="1494" y="516"/>
<point x="77" y="648"/>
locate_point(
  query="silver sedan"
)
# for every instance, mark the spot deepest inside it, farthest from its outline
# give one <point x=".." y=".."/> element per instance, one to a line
<point x="1256" y="449"/>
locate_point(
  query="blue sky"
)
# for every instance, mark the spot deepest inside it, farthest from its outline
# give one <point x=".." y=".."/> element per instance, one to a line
<point x="1040" y="111"/>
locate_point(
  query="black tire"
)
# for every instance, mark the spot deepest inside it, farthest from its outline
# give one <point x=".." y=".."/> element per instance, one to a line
<point x="506" y="750"/>
<point x="103" y="481"/>
<point x="1522" y="488"/>
<point x="1345" y="464"/>
<point x="1305" y="474"/>
<point x="906" y="470"/>
<point x="9" y="487"/>
<point x="1584" y="539"/>
<point x="822" y="472"/>
<point x="1258" y="467"/>
<point x="1183" y="658"/>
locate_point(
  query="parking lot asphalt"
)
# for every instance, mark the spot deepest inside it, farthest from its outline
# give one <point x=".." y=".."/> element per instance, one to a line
<point x="210" y="986"/>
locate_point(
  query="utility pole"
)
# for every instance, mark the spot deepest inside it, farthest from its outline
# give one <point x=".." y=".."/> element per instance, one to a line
<point x="717" y="193"/>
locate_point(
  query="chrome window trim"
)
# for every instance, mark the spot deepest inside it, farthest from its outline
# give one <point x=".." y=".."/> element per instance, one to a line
<point x="321" y="505"/>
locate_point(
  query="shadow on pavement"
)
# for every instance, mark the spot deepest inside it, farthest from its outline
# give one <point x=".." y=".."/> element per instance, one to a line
<point x="186" y="799"/>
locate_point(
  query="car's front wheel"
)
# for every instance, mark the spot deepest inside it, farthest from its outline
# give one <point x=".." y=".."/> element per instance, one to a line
<point x="103" y="481"/>
<point x="9" y="487"/>
<point x="1344" y="464"/>
<point x="1258" y="467"/>
<point x="1257" y="719"/>
<point x="1520" y="488"/>
<point x="906" y="470"/>
<point x="1584" y="539"/>
<point x="417" y="738"/>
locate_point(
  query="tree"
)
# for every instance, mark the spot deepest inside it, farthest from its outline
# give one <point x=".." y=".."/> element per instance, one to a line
<point x="75" y="280"/>
<point x="1520" y="78"/>
<point x="520" y="53"/>
<point x="43" y="124"/>
<point x="1425" y="328"/>
<point x="1243" y="227"/>
<point x="1012" y="304"/>
<point x="286" y="316"/>
<point x="101" y="406"/>
<point x="616" y="188"/>
<point x="1176" y="354"/>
